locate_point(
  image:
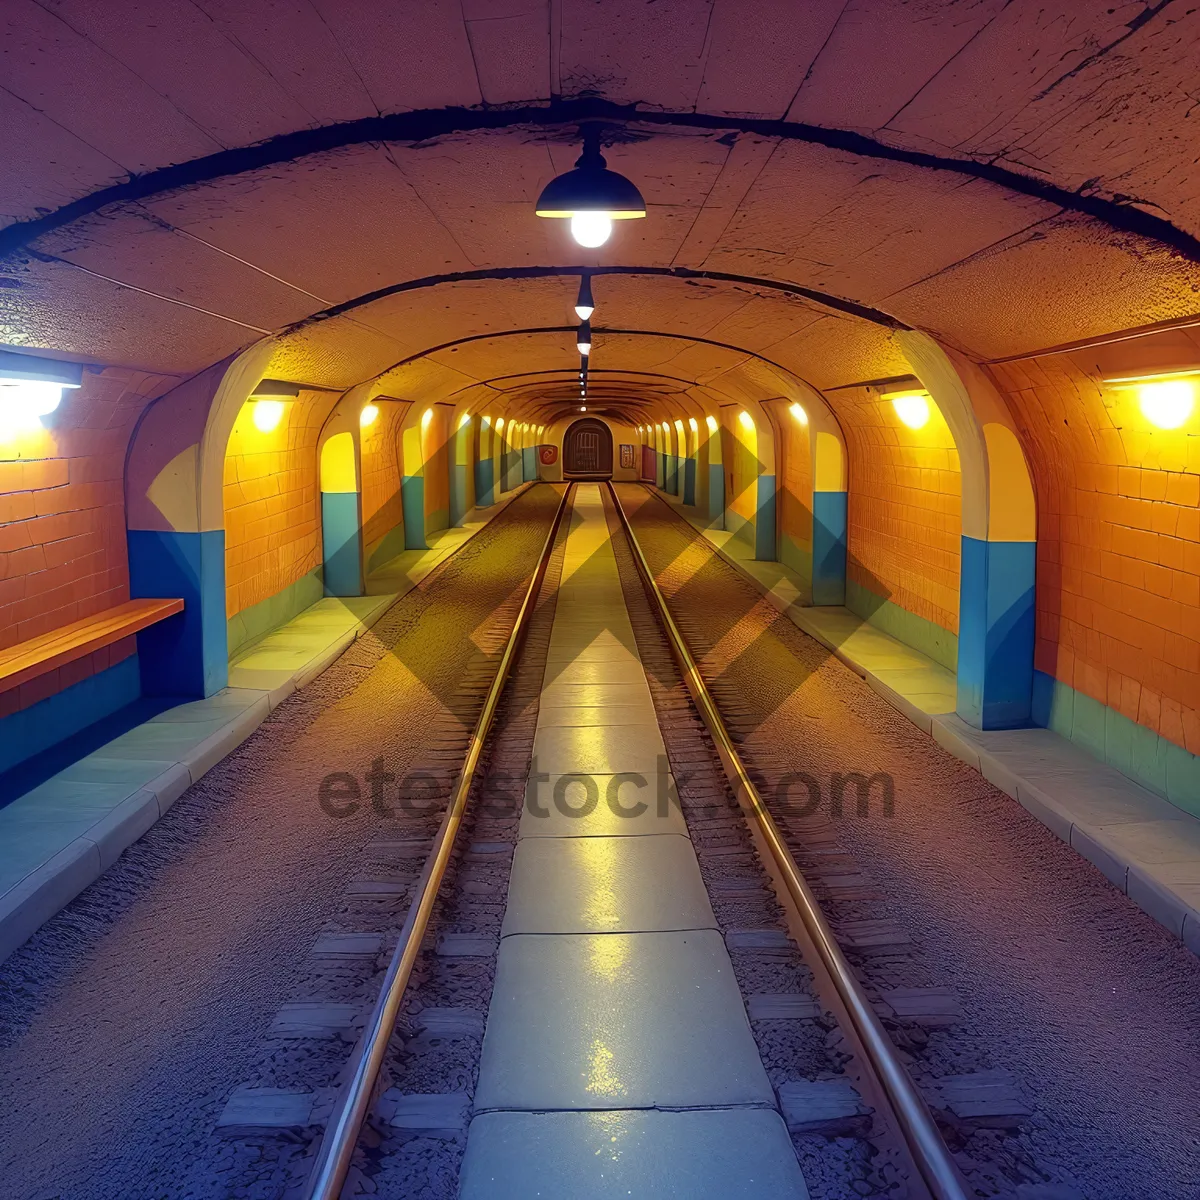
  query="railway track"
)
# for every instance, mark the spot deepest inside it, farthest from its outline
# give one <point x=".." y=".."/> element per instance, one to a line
<point x="395" y="1121"/>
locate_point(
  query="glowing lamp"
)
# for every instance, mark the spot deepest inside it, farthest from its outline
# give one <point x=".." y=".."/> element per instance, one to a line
<point x="799" y="413"/>
<point x="746" y="419"/>
<point x="1167" y="403"/>
<point x="267" y="414"/>
<point x="692" y="424"/>
<point x="368" y="415"/>
<point x="912" y="408"/>
<point x="584" y="305"/>
<point x="32" y="387"/>
<point x="711" y="422"/>
<point x="500" y="424"/>
<point x="591" y="196"/>
<point x="426" y="417"/>
<point x="583" y="339"/>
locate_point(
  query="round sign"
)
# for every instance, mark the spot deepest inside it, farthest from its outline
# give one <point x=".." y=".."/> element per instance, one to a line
<point x="548" y="455"/>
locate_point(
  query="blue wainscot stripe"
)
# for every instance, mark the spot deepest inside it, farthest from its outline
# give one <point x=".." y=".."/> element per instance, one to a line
<point x="829" y="548"/>
<point x="188" y="653"/>
<point x="689" y="481"/>
<point x="485" y="482"/>
<point x="458" y="492"/>
<point x="48" y="722"/>
<point x="716" y="495"/>
<point x="412" y="501"/>
<point x="995" y="633"/>
<point x="340" y="544"/>
<point x="764" y="522"/>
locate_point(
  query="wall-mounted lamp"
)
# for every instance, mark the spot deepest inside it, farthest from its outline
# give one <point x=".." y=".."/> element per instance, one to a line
<point x="426" y="417"/>
<point x="746" y="419"/>
<point x="1166" y="400"/>
<point x="692" y="425"/>
<point x="591" y="196"/>
<point x="464" y="420"/>
<point x="711" y="422"/>
<point x="798" y="413"/>
<point x="368" y="416"/>
<point x="32" y="387"/>
<point x="270" y="398"/>
<point x="911" y="407"/>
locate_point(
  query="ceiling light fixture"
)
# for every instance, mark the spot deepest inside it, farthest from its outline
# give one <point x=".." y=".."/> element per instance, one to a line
<point x="368" y="415"/>
<point x="591" y="196"/>
<point x="1167" y="403"/>
<point x="584" y="305"/>
<point x="267" y="414"/>
<point x="583" y="339"/>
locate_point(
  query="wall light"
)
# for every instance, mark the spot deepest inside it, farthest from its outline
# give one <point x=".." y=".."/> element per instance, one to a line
<point x="911" y="407"/>
<point x="499" y="424"/>
<point x="798" y="412"/>
<point x="711" y="422"/>
<point x="267" y="415"/>
<point x="368" y="415"/>
<point x="746" y="419"/>
<point x="1168" y="403"/>
<point x="426" y="417"/>
<point x="692" y="423"/>
<point x="32" y="387"/>
<point x="464" y="420"/>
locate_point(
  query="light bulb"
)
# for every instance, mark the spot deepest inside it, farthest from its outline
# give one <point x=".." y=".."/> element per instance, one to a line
<point x="23" y="401"/>
<point x="692" y="425"/>
<point x="583" y="408"/>
<point x="426" y="417"/>
<point x="912" y="409"/>
<point x="591" y="229"/>
<point x="711" y="422"/>
<point x="1167" y="403"/>
<point x="584" y="305"/>
<point x="368" y="415"/>
<point x="746" y="419"/>
<point x="798" y="413"/>
<point x="267" y="414"/>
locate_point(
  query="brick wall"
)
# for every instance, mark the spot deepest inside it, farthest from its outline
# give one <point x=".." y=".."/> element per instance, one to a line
<point x="1118" y="570"/>
<point x="381" y="471"/>
<point x="272" y="501"/>
<point x="62" y="521"/>
<point x="904" y="524"/>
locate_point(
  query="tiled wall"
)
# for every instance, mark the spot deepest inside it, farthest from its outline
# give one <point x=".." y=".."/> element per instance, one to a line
<point x="1118" y="569"/>
<point x="905" y="528"/>
<point x="381" y="471"/>
<point x="272" y="501"/>
<point x="62" y="521"/>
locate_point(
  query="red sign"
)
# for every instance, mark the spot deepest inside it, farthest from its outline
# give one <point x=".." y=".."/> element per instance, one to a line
<point x="548" y="455"/>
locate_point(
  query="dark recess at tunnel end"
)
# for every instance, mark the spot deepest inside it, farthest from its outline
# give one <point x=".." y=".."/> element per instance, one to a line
<point x="424" y="124"/>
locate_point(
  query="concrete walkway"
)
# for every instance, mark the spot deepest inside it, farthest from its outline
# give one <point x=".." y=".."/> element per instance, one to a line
<point x="61" y="835"/>
<point x="618" y="1059"/>
<point x="1145" y="845"/>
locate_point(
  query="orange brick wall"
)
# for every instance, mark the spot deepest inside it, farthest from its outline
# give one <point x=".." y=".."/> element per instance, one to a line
<point x="795" y="513"/>
<point x="905" y="520"/>
<point x="1118" y="571"/>
<point x="381" y="471"/>
<point x="272" y="501"/>
<point x="62" y="521"/>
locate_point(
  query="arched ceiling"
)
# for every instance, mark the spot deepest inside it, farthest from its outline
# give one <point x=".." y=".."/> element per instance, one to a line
<point x="1007" y="174"/>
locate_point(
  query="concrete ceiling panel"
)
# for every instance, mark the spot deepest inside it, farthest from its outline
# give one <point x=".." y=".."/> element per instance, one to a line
<point x="511" y="48"/>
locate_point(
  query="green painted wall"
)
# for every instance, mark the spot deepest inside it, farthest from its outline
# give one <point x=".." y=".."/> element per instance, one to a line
<point x="932" y="640"/>
<point x="259" y="619"/>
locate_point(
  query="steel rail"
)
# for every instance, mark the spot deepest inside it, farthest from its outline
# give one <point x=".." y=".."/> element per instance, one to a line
<point x="918" y="1134"/>
<point x="329" y="1173"/>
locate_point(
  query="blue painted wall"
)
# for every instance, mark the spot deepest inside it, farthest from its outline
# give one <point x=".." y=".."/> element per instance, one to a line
<point x="341" y="544"/>
<point x="412" y="502"/>
<point x="485" y="482"/>
<point x="187" y="654"/>
<point x="764" y="522"/>
<point x="829" y="548"/>
<point x="458" y="492"/>
<point x="670" y="474"/>
<point x="48" y="722"/>
<point x="995" y="633"/>
<point x="689" y="481"/>
<point x="716" y="496"/>
<point x="528" y="464"/>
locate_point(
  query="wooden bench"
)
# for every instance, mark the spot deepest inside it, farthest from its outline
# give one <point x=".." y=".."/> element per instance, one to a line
<point x="40" y="655"/>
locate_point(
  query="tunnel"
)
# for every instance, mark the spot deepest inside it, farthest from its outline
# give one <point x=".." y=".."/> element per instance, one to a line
<point x="599" y="599"/>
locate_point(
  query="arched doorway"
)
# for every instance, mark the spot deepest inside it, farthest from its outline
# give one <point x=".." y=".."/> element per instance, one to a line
<point x="588" y="450"/>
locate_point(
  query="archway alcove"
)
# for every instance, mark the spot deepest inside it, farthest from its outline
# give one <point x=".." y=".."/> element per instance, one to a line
<point x="588" y="450"/>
